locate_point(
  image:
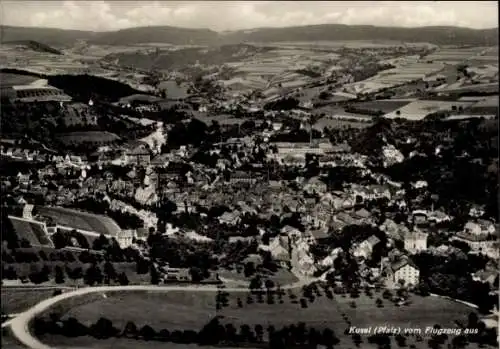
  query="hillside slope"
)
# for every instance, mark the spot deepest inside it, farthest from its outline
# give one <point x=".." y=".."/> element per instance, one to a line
<point x="334" y="32"/>
<point x="163" y="34"/>
<point x="186" y="56"/>
<point x="35" y="46"/>
<point x="185" y="36"/>
<point x="48" y="36"/>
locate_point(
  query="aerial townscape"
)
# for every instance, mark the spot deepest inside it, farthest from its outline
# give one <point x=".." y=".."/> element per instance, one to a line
<point x="326" y="186"/>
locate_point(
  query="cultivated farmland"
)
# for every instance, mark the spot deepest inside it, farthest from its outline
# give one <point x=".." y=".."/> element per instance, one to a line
<point x="9" y="79"/>
<point x="420" y="109"/>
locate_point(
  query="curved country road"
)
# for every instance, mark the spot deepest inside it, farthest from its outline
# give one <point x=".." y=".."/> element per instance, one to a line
<point x="20" y="324"/>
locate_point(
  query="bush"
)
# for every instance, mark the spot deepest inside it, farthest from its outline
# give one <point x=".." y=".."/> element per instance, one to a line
<point x="303" y="303"/>
<point x="147" y="333"/>
<point x="123" y="279"/>
<point x="164" y="335"/>
<point x="103" y="329"/>
<point x="73" y="328"/>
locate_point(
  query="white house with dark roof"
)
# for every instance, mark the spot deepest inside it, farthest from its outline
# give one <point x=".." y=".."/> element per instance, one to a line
<point x="402" y="271"/>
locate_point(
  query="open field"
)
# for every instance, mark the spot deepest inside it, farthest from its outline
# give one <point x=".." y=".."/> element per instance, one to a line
<point x="340" y="122"/>
<point x="458" y="87"/>
<point x="87" y="137"/>
<point x="420" y="109"/>
<point x="491" y="101"/>
<point x="194" y="310"/>
<point x="385" y="106"/>
<point x="18" y="299"/>
<point x="338" y="44"/>
<point x="8" y="79"/>
<point x="62" y="342"/>
<point x="403" y="74"/>
<point x="10" y="343"/>
<point x="454" y="55"/>
<point x="89" y="343"/>
<point x="469" y="116"/>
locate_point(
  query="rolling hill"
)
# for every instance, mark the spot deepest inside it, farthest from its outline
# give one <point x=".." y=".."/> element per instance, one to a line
<point x="186" y="56"/>
<point x="163" y="34"/>
<point x="48" y="36"/>
<point x="185" y="36"/>
<point x="34" y="45"/>
<point x="336" y="32"/>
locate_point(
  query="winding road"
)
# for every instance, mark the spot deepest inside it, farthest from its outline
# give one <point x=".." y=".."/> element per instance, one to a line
<point x="19" y="325"/>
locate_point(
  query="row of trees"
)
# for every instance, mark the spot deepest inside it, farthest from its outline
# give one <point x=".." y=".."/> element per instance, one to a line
<point x="99" y="255"/>
<point x="93" y="275"/>
<point x="213" y="333"/>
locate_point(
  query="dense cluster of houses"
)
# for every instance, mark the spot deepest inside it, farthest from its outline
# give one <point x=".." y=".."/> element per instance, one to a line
<point x="242" y="183"/>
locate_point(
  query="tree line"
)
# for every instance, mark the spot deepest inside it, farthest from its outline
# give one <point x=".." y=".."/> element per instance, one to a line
<point x="215" y="332"/>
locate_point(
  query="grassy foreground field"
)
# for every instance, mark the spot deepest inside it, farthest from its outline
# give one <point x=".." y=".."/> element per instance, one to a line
<point x="10" y="343"/>
<point x="62" y="342"/>
<point x="192" y="310"/>
<point x="16" y="300"/>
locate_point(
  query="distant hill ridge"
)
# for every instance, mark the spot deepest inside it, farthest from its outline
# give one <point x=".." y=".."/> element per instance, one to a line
<point x="185" y="36"/>
<point x="34" y="45"/>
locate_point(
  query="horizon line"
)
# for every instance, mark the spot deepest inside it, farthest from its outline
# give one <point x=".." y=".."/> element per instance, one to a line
<point x="247" y="29"/>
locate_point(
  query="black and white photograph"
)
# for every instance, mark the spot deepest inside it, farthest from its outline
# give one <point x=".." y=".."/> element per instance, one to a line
<point x="249" y="174"/>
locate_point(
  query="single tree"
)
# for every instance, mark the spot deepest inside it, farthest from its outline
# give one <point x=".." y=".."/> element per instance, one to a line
<point x="130" y="330"/>
<point x="59" y="275"/>
<point x="147" y="333"/>
<point x="155" y="276"/>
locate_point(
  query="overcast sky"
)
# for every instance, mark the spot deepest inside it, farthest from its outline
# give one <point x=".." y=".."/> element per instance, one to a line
<point x="232" y="15"/>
